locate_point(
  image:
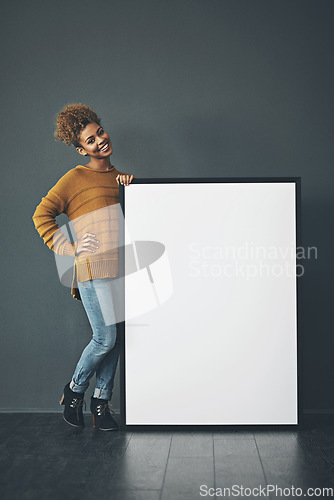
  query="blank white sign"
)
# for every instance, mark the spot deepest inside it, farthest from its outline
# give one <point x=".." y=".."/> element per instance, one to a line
<point x="211" y="329"/>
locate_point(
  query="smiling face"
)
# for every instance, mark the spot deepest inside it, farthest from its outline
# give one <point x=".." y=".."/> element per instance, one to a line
<point x="95" y="142"/>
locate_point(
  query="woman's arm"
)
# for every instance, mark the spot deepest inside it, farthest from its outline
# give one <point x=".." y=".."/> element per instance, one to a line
<point x="54" y="204"/>
<point x="44" y="219"/>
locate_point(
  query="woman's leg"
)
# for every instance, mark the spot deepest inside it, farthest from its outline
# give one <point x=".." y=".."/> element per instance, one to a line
<point x="101" y="354"/>
<point x="105" y="373"/>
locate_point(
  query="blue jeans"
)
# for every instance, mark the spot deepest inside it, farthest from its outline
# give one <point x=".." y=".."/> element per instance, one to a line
<point x="100" y="356"/>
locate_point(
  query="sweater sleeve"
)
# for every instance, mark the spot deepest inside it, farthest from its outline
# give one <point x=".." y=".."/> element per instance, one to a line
<point x="44" y="219"/>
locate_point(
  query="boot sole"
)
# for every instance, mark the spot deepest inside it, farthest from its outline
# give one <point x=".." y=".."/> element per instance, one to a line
<point x="73" y="425"/>
<point x="96" y="426"/>
<point x="112" y="429"/>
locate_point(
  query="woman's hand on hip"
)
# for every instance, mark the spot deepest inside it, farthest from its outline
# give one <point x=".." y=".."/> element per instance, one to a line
<point x="87" y="243"/>
<point x="124" y="179"/>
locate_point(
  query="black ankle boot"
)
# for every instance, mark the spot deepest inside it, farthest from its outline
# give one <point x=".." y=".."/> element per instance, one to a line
<point x="101" y="415"/>
<point x="73" y="402"/>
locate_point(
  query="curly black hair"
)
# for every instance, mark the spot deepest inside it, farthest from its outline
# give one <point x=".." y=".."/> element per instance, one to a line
<point x="72" y="120"/>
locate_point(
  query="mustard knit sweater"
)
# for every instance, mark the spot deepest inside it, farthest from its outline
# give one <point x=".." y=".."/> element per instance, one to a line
<point x="90" y="200"/>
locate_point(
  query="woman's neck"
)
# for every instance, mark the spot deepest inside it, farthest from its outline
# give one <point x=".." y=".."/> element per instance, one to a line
<point x="101" y="165"/>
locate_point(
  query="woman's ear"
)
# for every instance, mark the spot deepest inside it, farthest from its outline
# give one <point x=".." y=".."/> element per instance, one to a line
<point x="81" y="151"/>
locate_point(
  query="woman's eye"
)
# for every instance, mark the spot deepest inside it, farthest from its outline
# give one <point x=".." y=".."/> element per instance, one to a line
<point x="101" y="131"/>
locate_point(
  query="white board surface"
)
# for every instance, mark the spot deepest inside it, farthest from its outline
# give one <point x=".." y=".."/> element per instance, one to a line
<point x="213" y="339"/>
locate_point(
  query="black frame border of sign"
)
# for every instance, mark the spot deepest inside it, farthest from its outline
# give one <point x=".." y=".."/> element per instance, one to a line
<point x="121" y="325"/>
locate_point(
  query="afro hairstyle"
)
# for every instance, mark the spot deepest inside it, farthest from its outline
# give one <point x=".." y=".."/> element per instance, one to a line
<point x="72" y="120"/>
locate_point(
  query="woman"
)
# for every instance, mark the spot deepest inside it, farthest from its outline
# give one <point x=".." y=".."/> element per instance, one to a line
<point x="88" y="195"/>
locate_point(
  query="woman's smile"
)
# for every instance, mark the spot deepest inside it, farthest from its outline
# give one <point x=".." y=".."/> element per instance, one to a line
<point x="105" y="147"/>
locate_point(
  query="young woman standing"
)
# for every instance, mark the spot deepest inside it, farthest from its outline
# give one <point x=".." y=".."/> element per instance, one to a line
<point x="88" y="195"/>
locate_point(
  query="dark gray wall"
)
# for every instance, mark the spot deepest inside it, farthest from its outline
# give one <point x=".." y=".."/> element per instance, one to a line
<point x="185" y="88"/>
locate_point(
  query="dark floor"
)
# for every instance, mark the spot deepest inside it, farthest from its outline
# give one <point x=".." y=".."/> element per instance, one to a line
<point x="42" y="457"/>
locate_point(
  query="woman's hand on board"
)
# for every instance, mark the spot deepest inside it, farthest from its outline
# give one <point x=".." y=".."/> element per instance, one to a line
<point x="124" y="179"/>
<point x="87" y="243"/>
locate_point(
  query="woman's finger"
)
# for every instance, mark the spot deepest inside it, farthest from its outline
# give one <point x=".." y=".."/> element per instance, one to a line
<point x="90" y="239"/>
